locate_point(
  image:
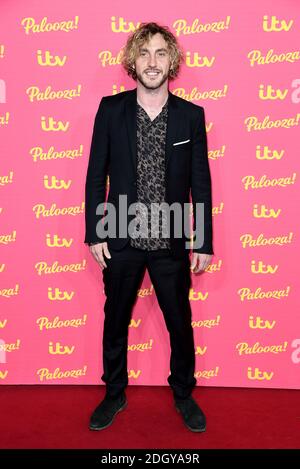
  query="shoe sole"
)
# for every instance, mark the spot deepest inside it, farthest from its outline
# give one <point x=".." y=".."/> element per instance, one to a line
<point x="108" y="425"/>
<point x="196" y="430"/>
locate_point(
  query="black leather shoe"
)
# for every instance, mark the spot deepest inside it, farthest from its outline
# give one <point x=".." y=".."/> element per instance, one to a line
<point x="103" y="416"/>
<point x="193" y="417"/>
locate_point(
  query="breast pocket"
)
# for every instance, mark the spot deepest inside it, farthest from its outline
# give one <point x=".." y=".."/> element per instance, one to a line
<point x="180" y="143"/>
<point x="181" y="147"/>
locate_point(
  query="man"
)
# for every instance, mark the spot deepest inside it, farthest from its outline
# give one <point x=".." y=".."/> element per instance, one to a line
<point x="153" y="146"/>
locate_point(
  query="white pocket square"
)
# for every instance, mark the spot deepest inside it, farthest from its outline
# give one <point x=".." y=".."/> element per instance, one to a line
<point x="180" y="143"/>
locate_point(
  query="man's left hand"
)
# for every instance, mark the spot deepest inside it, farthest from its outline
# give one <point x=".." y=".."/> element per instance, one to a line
<point x="200" y="262"/>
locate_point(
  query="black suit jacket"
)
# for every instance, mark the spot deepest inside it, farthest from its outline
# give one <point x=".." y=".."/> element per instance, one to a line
<point x="113" y="152"/>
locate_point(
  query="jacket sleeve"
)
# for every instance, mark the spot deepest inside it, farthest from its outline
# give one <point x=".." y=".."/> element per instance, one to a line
<point x="95" y="186"/>
<point x="201" y="186"/>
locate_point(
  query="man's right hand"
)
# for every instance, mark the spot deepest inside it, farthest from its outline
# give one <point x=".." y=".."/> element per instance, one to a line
<point x="99" y="251"/>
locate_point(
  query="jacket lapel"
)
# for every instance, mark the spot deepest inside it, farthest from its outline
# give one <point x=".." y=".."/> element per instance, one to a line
<point x="173" y="125"/>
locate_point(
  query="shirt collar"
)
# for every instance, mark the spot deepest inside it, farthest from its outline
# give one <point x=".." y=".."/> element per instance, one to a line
<point x="162" y="112"/>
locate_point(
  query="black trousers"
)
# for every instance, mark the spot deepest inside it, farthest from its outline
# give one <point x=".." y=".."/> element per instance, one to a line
<point x="171" y="282"/>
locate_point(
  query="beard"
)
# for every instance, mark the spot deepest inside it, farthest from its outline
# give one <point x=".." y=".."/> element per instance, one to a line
<point x="151" y="84"/>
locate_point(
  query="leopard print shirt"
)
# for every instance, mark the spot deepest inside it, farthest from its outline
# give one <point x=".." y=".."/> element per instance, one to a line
<point x="151" y="140"/>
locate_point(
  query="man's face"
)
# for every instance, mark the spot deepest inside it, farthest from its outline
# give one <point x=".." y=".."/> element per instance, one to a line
<point x="153" y="63"/>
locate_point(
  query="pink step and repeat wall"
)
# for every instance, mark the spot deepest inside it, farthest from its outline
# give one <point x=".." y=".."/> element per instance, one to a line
<point x="242" y="62"/>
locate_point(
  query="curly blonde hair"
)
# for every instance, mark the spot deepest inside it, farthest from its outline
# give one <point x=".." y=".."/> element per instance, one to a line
<point x="138" y="38"/>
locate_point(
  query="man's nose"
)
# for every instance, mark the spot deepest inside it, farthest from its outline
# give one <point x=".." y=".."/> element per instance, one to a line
<point x="152" y="61"/>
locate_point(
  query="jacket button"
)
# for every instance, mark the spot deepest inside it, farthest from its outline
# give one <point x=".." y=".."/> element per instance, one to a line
<point x="134" y="183"/>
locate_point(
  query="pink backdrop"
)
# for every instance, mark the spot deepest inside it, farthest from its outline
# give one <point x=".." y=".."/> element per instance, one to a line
<point x="57" y="60"/>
